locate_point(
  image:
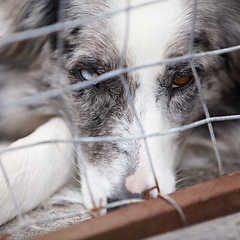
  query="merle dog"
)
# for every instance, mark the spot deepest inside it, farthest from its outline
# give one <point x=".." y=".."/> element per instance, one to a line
<point x="164" y="95"/>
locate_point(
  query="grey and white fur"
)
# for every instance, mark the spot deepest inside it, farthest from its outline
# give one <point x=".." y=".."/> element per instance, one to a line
<point x="115" y="170"/>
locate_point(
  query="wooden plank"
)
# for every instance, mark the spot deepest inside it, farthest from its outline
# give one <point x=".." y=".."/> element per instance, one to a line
<point x="202" y="202"/>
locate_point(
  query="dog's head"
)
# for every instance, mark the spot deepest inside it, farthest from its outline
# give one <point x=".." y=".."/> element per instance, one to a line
<point x="156" y="98"/>
<point x="162" y="96"/>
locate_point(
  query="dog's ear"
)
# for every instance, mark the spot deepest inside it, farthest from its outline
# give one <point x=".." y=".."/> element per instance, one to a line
<point x="21" y="16"/>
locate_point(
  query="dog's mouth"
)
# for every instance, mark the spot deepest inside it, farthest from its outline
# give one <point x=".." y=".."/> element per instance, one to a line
<point x="129" y="196"/>
<point x="146" y="195"/>
<point x="129" y="201"/>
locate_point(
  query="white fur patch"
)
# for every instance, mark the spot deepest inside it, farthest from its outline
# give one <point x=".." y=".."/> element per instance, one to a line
<point x="151" y="29"/>
<point x="36" y="172"/>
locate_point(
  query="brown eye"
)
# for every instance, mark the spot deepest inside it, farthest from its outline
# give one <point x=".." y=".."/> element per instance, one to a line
<point x="182" y="81"/>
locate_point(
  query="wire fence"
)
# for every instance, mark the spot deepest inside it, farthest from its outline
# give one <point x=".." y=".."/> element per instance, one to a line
<point x="120" y="71"/>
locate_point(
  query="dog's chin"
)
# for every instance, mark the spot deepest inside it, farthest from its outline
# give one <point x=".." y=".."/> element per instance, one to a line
<point x="103" y="190"/>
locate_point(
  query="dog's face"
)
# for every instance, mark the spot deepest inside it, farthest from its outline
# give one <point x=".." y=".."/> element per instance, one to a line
<point x="120" y="170"/>
<point x="162" y="96"/>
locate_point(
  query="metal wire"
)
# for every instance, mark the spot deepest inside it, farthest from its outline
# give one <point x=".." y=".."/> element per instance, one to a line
<point x="125" y="138"/>
<point x="200" y="90"/>
<point x="128" y="94"/>
<point x="59" y="27"/>
<point x="80" y="157"/>
<point x="32" y="222"/>
<point x="77" y="86"/>
<point x="210" y="127"/>
<point x="11" y="192"/>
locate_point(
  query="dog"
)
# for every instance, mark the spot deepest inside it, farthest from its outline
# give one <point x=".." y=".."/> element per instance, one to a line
<point x="103" y="38"/>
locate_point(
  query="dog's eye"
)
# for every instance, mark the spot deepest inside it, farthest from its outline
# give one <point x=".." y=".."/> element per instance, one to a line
<point x="87" y="75"/>
<point x="182" y="81"/>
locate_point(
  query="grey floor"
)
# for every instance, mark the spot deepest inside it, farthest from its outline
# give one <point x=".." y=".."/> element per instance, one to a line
<point x="222" y="228"/>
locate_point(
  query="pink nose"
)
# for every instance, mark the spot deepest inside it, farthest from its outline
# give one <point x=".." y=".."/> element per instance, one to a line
<point x="136" y="183"/>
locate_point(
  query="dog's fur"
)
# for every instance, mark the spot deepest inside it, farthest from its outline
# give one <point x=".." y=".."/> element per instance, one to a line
<point x="115" y="170"/>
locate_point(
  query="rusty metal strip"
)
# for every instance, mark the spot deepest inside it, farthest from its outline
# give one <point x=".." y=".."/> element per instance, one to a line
<point x="202" y="202"/>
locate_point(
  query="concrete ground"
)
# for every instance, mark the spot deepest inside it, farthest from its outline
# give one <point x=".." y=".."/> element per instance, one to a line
<point x="225" y="228"/>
